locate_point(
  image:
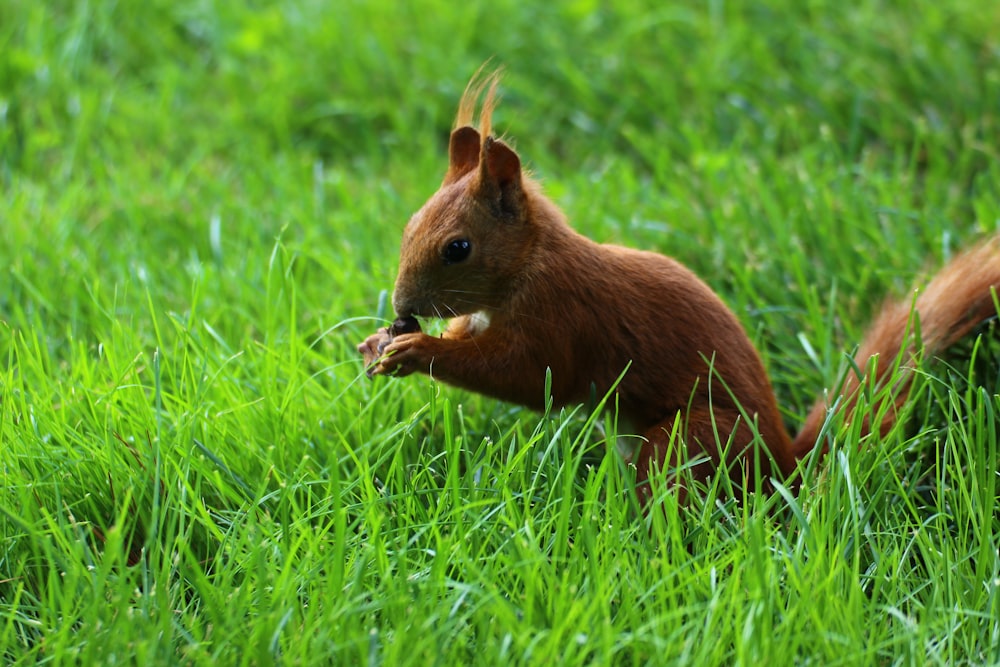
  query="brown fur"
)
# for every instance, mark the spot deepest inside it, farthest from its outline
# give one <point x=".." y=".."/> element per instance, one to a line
<point x="557" y="300"/>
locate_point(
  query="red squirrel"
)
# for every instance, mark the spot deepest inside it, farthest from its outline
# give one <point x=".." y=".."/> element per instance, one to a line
<point x="527" y="294"/>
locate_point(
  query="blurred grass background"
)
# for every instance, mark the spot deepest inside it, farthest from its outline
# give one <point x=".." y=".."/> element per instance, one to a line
<point x="201" y="207"/>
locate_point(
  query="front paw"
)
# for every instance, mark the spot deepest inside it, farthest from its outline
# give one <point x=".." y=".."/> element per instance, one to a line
<point x="376" y="345"/>
<point x="404" y="355"/>
<point x="373" y="347"/>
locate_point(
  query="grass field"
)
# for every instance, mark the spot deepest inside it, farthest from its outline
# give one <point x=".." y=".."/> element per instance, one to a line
<point x="201" y="209"/>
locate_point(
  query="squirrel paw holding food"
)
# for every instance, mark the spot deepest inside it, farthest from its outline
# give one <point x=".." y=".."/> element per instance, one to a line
<point x="396" y="349"/>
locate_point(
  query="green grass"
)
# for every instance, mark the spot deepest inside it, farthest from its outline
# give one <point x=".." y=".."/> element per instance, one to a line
<point x="201" y="210"/>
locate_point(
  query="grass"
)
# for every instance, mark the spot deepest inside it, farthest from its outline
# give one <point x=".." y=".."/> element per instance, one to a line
<point x="201" y="210"/>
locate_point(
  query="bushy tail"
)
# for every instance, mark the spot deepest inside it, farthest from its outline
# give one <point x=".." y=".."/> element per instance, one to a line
<point x="956" y="301"/>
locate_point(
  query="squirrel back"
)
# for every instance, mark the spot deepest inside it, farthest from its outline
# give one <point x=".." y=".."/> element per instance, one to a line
<point x="527" y="295"/>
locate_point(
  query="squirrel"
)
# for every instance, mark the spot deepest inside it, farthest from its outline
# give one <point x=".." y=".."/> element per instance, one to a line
<point x="527" y="296"/>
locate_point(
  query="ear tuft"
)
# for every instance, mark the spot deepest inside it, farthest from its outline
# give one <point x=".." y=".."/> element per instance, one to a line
<point x="463" y="153"/>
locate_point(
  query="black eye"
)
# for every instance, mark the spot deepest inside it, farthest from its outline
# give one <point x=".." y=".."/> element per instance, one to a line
<point x="456" y="251"/>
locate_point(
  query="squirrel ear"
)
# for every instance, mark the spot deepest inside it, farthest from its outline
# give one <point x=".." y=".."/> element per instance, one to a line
<point x="499" y="167"/>
<point x="463" y="153"/>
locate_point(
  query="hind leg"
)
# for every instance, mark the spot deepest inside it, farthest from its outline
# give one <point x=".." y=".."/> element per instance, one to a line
<point x="693" y="448"/>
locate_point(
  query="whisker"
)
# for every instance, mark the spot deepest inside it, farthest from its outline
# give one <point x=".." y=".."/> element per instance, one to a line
<point x="466" y="297"/>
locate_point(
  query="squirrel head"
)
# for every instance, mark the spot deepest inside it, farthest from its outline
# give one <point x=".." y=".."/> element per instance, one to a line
<point x="462" y="252"/>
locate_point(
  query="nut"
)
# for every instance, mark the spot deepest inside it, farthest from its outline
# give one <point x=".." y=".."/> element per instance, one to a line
<point x="404" y="325"/>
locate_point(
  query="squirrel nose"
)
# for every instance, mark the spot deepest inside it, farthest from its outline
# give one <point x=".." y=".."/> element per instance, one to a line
<point x="400" y="305"/>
